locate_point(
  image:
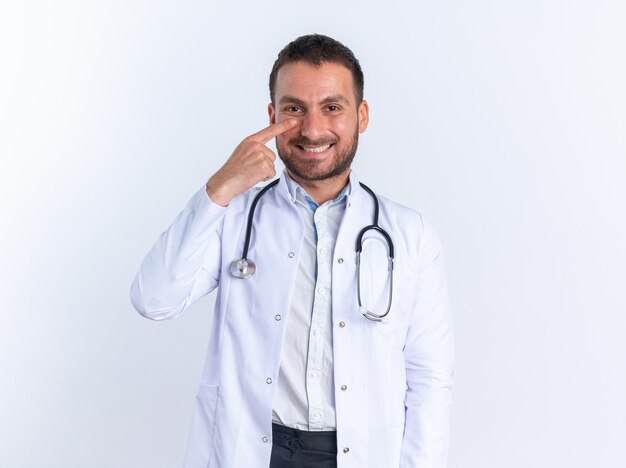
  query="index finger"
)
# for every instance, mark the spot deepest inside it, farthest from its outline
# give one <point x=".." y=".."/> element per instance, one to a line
<point x="273" y="130"/>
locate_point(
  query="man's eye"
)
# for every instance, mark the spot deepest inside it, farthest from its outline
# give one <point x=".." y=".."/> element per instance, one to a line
<point x="292" y="109"/>
<point x="333" y="108"/>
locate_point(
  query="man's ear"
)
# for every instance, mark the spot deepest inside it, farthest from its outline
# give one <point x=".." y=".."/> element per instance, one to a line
<point x="272" y="113"/>
<point x="363" y="115"/>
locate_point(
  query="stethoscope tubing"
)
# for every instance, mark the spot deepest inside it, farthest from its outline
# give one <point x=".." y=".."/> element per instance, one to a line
<point x="255" y="202"/>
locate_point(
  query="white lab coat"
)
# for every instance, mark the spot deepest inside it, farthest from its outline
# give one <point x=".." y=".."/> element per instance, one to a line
<point x="394" y="411"/>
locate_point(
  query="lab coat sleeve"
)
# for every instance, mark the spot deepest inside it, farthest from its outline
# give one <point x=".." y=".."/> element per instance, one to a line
<point x="184" y="263"/>
<point x="429" y="360"/>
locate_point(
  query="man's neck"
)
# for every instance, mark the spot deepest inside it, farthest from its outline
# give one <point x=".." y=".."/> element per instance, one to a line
<point x="323" y="190"/>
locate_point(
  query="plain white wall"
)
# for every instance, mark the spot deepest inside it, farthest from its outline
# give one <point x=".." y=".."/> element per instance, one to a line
<point x="503" y="122"/>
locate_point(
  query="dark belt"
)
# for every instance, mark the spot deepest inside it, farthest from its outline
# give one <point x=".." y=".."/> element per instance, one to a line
<point x="293" y="448"/>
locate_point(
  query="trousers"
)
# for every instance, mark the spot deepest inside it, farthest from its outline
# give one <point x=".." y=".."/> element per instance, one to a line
<point x="293" y="448"/>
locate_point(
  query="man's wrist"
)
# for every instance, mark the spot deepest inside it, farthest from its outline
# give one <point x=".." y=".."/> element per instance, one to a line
<point x="218" y="194"/>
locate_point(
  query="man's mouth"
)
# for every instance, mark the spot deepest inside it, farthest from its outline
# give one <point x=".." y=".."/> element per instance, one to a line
<point x="314" y="149"/>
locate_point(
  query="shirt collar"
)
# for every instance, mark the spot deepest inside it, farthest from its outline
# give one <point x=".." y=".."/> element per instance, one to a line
<point x="297" y="193"/>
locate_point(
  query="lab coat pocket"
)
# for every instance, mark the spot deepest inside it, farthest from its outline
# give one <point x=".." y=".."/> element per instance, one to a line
<point x="203" y="426"/>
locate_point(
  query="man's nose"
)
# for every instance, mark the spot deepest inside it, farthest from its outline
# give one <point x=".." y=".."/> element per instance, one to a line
<point x="312" y="126"/>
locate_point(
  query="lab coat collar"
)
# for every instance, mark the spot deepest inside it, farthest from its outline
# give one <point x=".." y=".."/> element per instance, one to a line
<point x="289" y="188"/>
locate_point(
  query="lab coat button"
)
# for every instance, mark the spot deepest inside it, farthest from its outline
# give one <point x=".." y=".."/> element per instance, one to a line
<point x="290" y="254"/>
<point x="342" y="324"/>
<point x="340" y="260"/>
<point x="265" y="440"/>
<point x="277" y="317"/>
<point x="344" y="388"/>
<point x="346" y="449"/>
<point x="268" y="380"/>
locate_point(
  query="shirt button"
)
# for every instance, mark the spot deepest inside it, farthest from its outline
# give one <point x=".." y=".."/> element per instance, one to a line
<point x="290" y="254"/>
<point x="323" y="250"/>
<point x="346" y="449"/>
<point x="266" y="440"/>
<point x="342" y="324"/>
<point x="321" y="291"/>
<point x="277" y="317"/>
<point x="340" y="260"/>
<point x="317" y="415"/>
<point x="315" y="332"/>
<point x="344" y="388"/>
<point x="268" y="380"/>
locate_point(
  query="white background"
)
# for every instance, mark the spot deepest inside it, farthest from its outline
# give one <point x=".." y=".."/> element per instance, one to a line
<point x="502" y="121"/>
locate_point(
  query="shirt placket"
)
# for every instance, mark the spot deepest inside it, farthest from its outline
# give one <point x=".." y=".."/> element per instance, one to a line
<point x="320" y="320"/>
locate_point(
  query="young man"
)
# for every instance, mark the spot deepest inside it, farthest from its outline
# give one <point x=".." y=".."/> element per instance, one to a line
<point x="318" y="357"/>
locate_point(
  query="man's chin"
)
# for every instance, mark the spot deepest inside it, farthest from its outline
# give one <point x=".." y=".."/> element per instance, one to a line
<point x="314" y="172"/>
<point x="308" y="173"/>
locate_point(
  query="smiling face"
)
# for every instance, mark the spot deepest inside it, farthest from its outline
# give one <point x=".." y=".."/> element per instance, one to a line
<point x="322" y="99"/>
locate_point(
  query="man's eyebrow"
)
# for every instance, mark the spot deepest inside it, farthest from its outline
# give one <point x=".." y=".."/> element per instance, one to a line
<point x="291" y="100"/>
<point x="327" y="100"/>
<point x="336" y="98"/>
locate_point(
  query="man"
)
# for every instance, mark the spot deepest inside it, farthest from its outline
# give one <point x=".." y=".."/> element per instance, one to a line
<point x="305" y="367"/>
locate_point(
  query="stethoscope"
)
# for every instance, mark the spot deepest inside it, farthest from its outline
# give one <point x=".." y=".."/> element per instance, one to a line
<point x="245" y="267"/>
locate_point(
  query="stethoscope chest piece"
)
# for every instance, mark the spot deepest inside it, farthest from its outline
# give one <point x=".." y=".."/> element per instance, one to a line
<point x="242" y="268"/>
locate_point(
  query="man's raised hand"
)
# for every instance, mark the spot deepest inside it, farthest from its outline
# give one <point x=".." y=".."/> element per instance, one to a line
<point x="251" y="162"/>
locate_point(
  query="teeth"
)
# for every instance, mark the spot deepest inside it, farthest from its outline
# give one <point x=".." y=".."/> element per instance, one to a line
<point x="319" y="149"/>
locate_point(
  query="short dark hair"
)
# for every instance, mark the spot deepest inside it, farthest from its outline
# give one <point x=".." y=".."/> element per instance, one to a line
<point x="317" y="49"/>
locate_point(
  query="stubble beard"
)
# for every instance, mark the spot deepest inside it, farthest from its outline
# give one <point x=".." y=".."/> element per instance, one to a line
<point x="309" y="169"/>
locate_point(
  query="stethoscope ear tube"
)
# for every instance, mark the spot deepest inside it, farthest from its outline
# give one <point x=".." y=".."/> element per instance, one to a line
<point x="367" y="313"/>
<point x="390" y="253"/>
<point x="373" y="227"/>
